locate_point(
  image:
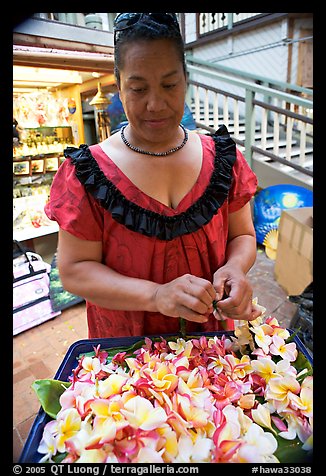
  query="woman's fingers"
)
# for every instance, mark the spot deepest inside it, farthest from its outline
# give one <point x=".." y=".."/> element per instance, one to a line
<point x="189" y="297"/>
<point x="238" y="305"/>
<point x="191" y="315"/>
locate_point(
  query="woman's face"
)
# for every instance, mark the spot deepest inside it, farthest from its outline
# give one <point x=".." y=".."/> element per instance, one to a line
<point x="152" y="90"/>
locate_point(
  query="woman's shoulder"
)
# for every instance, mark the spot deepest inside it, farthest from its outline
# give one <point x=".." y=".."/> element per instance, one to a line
<point x="220" y="146"/>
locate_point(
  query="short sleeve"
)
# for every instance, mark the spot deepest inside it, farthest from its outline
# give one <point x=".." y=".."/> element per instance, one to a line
<point x="72" y="207"/>
<point x="244" y="184"/>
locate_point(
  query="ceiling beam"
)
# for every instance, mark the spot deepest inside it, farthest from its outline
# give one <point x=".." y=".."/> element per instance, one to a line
<point x="63" y="59"/>
<point x="51" y="32"/>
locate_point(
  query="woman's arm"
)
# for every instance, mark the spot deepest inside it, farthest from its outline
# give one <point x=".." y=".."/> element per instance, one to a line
<point x="230" y="281"/>
<point x="83" y="273"/>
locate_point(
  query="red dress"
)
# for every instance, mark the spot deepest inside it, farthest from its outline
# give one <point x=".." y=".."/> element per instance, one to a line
<point x="92" y="199"/>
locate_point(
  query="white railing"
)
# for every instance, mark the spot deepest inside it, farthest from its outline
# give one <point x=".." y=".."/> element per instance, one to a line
<point x="209" y="22"/>
<point x="243" y="16"/>
<point x="282" y="133"/>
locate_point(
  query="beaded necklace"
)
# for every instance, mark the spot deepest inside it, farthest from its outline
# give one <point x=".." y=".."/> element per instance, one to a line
<point x="156" y="154"/>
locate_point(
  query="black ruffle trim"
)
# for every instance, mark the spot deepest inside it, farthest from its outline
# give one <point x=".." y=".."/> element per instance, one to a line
<point x="145" y="221"/>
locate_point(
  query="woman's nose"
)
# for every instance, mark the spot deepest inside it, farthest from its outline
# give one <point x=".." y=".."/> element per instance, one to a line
<point x="155" y="102"/>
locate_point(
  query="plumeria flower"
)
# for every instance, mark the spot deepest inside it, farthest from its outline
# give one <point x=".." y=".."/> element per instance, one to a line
<point x="181" y="346"/>
<point x="262" y="310"/>
<point x="304" y="401"/>
<point x="48" y="445"/>
<point x="286" y="351"/>
<point x="215" y="365"/>
<point x="246" y="402"/>
<point x="112" y="385"/>
<point x="277" y="329"/>
<point x="231" y="430"/>
<point x="141" y="414"/>
<point x="281" y="390"/>
<point x="148" y="455"/>
<point x="193" y="448"/>
<point x="243" y="336"/>
<point x="162" y="378"/>
<point x="262" y="417"/>
<point x="264" y="367"/>
<point x="68" y="425"/>
<point x="91" y="366"/>
<point x="207" y="399"/>
<point x="258" y="446"/>
<point x="262" y="340"/>
<point x="237" y="368"/>
<point x="196" y="416"/>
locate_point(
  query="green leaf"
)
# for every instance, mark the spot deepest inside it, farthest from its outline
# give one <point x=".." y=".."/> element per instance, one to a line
<point x="290" y="451"/>
<point x="59" y="457"/>
<point x="292" y="336"/>
<point x="48" y="392"/>
<point x="303" y="363"/>
<point x="112" y="351"/>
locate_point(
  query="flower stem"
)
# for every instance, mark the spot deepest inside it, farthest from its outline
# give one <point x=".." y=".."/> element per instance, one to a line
<point x="222" y="320"/>
<point x="182" y="322"/>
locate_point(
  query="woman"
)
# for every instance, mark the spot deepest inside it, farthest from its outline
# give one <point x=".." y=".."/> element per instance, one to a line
<point x="155" y="222"/>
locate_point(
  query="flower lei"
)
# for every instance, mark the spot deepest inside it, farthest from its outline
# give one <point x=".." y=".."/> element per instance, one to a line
<point x="245" y="398"/>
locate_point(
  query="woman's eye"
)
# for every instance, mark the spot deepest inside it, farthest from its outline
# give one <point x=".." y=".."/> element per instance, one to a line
<point x="169" y="86"/>
<point x="138" y="90"/>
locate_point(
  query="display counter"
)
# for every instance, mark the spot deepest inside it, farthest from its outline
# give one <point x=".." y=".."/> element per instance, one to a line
<point x="31" y="232"/>
<point x="29" y="218"/>
<point x="35" y="162"/>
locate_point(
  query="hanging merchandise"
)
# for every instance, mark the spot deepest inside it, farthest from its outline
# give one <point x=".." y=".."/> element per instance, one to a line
<point x="71" y="106"/>
<point x="102" y="119"/>
<point x="41" y="109"/>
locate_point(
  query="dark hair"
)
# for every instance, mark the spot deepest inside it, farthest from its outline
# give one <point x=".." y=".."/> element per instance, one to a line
<point x="146" y="29"/>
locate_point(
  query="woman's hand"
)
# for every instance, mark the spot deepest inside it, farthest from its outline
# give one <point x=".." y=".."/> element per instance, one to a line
<point x="188" y="297"/>
<point x="234" y="294"/>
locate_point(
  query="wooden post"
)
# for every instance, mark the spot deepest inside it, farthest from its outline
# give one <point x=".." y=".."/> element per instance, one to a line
<point x="249" y="125"/>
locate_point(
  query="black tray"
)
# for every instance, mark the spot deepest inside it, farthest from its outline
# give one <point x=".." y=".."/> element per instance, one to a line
<point x="30" y="453"/>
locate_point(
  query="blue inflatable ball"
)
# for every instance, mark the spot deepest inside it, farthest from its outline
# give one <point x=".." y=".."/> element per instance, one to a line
<point x="188" y="120"/>
<point x="271" y="201"/>
<point x="116" y="113"/>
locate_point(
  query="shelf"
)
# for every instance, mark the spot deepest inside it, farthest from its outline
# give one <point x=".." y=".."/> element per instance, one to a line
<point x="47" y="127"/>
<point x="31" y="232"/>
<point x="41" y="155"/>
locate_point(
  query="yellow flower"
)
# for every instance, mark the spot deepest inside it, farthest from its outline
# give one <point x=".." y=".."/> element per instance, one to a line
<point x="162" y="379"/>
<point x="281" y="389"/>
<point x="111" y="385"/>
<point x="92" y="456"/>
<point x="181" y="346"/>
<point x="264" y="368"/>
<point x="90" y="365"/>
<point x="68" y="425"/>
<point x="262" y="340"/>
<point x="304" y="402"/>
<point x="262" y="417"/>
<point x="140" y="413"/>
<point x="171" y="443"/>
<point x="198" y="417"/>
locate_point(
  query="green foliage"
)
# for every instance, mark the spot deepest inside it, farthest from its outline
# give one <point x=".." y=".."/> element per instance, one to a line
<point x="48" y="392"/>
<point x="290" y="451"/>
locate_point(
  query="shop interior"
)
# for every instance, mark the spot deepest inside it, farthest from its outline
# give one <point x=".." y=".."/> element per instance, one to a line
<point x="52" y="109"/>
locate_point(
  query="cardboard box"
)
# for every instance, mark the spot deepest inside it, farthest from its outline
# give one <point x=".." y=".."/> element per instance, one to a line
<point x="294" y="256"/>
